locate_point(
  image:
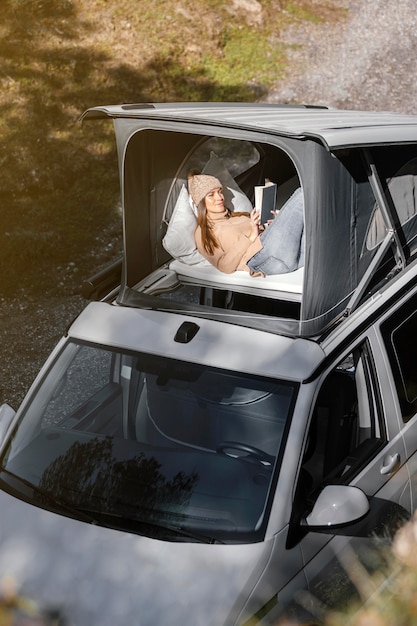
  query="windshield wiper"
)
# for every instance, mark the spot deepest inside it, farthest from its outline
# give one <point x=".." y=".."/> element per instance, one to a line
<point x="97" y="518"/>
<point x="150" y="528"/>
<point x="55" y="504"/>
<point x="184" y="532"/>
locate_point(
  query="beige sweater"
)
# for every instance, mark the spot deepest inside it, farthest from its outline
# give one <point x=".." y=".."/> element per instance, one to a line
<point x="232" y="234"/>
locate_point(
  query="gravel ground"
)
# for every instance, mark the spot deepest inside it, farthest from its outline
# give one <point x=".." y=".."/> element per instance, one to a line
<point x="365" y="61"/>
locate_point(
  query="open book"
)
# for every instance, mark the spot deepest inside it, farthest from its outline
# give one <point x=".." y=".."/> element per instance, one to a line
<point x="265" y="200"/>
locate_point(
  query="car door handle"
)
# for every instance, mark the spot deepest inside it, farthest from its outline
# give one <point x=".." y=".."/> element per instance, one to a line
<point x="391" y="463"/>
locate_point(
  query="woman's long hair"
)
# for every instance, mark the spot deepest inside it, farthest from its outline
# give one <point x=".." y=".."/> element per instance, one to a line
<point x="208" y="239"/>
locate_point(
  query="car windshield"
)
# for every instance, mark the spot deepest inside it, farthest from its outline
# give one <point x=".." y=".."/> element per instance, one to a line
<point x="165" y="448"/>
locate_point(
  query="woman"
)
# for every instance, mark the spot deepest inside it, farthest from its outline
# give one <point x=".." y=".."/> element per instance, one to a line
<point x="236" y="241"/>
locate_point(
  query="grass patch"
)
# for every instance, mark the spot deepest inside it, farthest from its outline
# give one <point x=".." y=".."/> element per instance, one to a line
<point x="254" y="62"/>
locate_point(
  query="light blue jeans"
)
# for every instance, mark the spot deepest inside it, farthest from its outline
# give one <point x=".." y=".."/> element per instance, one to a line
<point x="282" y="240"/>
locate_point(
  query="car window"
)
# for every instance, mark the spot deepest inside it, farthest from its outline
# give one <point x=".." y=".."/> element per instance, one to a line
<point x="151" y="445"/>
<point x="399" y="332"/>
<point x="87" y="374"/>
<point x="347" y="428"/>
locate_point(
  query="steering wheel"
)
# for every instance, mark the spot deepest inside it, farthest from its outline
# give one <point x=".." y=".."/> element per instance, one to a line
<point x="259" y="455"/>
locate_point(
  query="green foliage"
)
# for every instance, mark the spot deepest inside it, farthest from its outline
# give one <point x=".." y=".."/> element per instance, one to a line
<point x="254" y="62"/>
<point x="386" y="592"/>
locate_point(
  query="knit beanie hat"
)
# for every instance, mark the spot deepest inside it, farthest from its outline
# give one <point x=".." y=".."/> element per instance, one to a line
<point x="199" y="185"/>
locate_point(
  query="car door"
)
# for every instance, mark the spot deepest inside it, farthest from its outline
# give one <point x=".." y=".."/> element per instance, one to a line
<point x="398" y="332"/>
<point x="353" y="439"/>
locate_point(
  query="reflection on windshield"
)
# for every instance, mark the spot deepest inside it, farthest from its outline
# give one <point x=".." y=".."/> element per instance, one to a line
<point x="151" y="441"/>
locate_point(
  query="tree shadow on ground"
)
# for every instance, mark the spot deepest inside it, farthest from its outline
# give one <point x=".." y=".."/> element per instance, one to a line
<point x="60" y="186"/>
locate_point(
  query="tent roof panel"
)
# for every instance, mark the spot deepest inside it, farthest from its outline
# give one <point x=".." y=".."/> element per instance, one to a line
<point x="334" y="128"/>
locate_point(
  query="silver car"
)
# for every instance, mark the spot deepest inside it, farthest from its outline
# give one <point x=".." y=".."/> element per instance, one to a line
<point x="266" y="426"/>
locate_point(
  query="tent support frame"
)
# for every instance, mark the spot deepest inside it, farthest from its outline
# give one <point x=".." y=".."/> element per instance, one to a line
<point x="391" y="239"/>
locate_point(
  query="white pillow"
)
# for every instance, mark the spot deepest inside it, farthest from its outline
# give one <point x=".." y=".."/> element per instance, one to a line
<point x="179" y="239"/>
<point x="234" y="197"/>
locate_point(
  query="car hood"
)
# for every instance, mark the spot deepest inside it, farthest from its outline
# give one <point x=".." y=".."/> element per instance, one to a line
<point x="193" y="584"/>
<point x="104" y="576"/>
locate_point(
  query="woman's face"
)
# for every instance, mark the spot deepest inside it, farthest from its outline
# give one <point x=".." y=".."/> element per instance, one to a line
<point x="215" y="201"/>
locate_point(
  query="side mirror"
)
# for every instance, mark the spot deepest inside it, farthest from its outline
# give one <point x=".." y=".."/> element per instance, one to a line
<point x="337" y="505"/>
<point x="6" y="417"/>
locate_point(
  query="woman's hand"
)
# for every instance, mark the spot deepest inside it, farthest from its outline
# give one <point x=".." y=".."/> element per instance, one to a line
<point x="274" y="214"/>
<point x="255" y="219"/>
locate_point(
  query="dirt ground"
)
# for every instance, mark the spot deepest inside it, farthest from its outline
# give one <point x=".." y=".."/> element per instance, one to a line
<point x="363" y="61"/>
<point x="31" y="326"/>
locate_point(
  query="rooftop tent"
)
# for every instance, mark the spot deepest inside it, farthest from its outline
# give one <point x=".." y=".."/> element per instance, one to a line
<point x="345" y="189"/>
<point x="153" y="173"/>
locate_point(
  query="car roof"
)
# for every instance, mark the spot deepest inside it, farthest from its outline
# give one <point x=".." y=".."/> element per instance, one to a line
<point x="215" y="344"/>
<point x="335" y="128"/>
